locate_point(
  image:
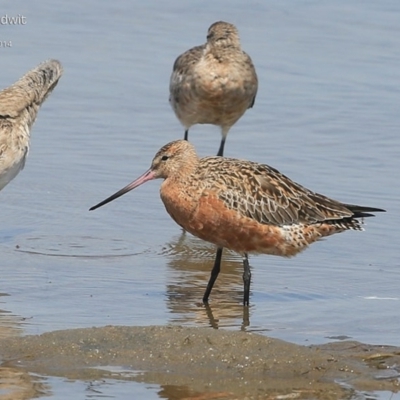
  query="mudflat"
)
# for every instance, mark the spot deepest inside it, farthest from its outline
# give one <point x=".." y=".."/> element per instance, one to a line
<point x="199" y="363"/>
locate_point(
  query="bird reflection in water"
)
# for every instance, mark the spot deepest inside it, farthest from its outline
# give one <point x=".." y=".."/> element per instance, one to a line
<point x="189" y="273"/>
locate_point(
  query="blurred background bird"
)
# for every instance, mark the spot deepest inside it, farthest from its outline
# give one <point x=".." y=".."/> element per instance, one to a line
<point x="214" y="83"/>
<point x="19" y="106"/>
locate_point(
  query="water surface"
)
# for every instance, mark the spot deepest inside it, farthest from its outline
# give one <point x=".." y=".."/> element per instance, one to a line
<point x="326" y="114"/>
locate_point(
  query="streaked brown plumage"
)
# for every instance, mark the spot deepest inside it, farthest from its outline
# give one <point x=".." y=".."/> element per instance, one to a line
<point x="214" y="83"/>
<point x="19" y="106"/>
<point x="242" y="205"/>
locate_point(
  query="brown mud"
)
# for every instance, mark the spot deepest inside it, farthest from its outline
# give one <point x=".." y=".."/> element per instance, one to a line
<point x="198" y="363"/>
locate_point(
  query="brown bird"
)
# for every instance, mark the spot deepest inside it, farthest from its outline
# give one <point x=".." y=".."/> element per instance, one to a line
<point x="214" y="83"/>
<point x="19" y="106"/>
<point x="242" y="205"/>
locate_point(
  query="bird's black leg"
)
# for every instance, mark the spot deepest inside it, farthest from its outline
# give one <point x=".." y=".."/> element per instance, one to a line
<point x="221" y="147"/>
<point x="246" y="280"/>
<point x="214" y="274"/>
<point x="186" y="134"/>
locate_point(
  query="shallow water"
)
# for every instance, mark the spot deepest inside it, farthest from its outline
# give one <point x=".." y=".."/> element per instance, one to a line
<point x="326" y="114"/>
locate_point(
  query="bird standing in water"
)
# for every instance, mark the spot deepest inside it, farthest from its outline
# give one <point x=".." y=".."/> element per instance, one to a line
<point x="214" y="83"/>
<point x="19" y="106"/>
<point x="242" y="205"/>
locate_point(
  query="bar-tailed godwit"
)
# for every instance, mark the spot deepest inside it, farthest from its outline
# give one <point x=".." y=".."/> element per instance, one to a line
<point x="214" y="83"/>
<point x="19" y="106"/>
<point x="242" y="205"/>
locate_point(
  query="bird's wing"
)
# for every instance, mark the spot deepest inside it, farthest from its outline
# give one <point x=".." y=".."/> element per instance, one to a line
<point x="262" y="193"/>
<point x="256" y="79"/>
<point x="182" y="66"/>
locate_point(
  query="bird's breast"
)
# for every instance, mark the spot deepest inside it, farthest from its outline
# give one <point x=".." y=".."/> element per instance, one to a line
<point x="205" y="215"/>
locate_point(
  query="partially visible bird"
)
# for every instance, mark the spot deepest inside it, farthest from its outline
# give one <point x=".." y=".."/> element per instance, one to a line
<point x="214" y="83"/>
<point x="19" y="105"/>
<point x="242" y="205"/>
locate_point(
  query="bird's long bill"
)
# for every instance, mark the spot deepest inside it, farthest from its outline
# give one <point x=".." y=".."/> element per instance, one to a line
<point x="147" y="176"/>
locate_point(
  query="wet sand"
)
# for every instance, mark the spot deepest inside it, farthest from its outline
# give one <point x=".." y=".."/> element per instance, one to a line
<point x="198" y="363"/>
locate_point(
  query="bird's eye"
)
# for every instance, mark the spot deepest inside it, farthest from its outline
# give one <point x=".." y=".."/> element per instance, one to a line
<point x="164" y="158"/>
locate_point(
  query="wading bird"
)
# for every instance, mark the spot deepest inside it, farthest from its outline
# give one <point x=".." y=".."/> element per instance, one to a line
<point x="214" y="83"/>
<point x="242" y="205"/>
<point x="19" y="106"/>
